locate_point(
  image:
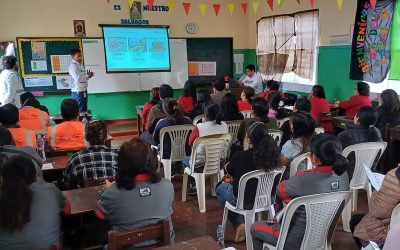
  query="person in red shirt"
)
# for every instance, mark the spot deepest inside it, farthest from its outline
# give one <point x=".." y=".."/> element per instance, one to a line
<point x="247" y="97"/>
<point x="188" y="100"/>
<point x="272" y="86"/>
<point x="358" y="100"/>
<point x="319" y="103"/>
<point x="154" y="99"/>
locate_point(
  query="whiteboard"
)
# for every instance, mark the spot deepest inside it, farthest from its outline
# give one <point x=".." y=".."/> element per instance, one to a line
<point x="94" y="59"/>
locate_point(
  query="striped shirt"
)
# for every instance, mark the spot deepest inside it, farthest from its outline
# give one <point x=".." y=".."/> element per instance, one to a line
<point x="92" y="163"/>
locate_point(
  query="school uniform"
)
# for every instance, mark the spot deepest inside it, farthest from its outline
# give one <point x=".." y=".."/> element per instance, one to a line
<point x="354" y="104"/>
<point x="319" y="180"/>
<point x="66" y="136"/>
<point x="318" y="106"/>
<point x="244" y="105"/>
<point x="187" y="103"/>
<point x="44" y="227"/>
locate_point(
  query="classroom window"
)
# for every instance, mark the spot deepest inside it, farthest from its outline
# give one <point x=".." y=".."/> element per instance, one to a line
<point x="286" y="47"/>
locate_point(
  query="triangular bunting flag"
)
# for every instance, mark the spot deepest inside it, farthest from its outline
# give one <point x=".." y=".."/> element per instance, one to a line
<point x="340" y="4"/>
<point x="373" y="3"/>
<point x="216" y="7"/>
<point x="186" y="6"/>
<point x="271" y="4"/>
<point x="279" y="2"/>
<point x="171" y="5"/>
<point x="150" y="3"/>
<point x="203" y="8"/>
<point x="312" y="2"/>
<point x="298" y="1"/>
<point x="255" y="6"/>
<point x="231" y="8"/>
<point x="244" y="8"/>
<point x="130" y="3"/>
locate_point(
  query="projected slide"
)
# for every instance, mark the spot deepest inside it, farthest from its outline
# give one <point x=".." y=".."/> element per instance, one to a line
<point x="136" y="49"/>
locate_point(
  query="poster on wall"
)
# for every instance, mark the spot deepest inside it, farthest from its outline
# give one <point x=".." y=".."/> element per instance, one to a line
<point x="38" y="51"/>
<point x="370" y="54"/>
<point x="79" y="28"/>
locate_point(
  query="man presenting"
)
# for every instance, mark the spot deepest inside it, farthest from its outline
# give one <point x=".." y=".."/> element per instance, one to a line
<point x="80" y="79"/>
<point x="251" y="79"/>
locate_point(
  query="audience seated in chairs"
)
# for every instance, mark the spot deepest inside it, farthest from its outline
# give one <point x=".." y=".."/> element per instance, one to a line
<point x="96" y="162"/>
<point x="32" y="118"/>
<point x="156" y="113"/>
<point x="154" y="100"/>
<point x="203" y="100"/>
<point x="247" y="97"/>
<point x="329" y="175"/>
<point x="30" y="208"/>
<point x="229" y="109"/>
<point x="276" y="104"/>
<point x="219" y="91"/>
<point x="9" y="117"/>
<point x="389" y="111"/>
<point x="70" y="134"/>
<point x="139" y="197"/>
<point x="319" y="103"/>
<point x="263" y="154"/>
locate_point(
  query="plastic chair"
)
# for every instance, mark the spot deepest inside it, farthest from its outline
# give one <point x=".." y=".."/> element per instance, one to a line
<point x="281" y="121"/>
<point x="319" y="130"/>
<point x="247" y="113"/>
<point x="395" y="218"/>
<point x="263" y="200"/>
<point x="322" y="214"/>
<point x="296" y="162"/>
<point x="197" y="119"/>
<point x="233" y="129"/>
<point x="365" y="154"/>
<point x="276" y="135"/>
<point x="215" y="148"/>
<point x="178" y="135"/>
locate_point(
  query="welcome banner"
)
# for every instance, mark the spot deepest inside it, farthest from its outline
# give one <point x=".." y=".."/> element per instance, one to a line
<point x="370" y="55"/>
<point x="395" y="45"/>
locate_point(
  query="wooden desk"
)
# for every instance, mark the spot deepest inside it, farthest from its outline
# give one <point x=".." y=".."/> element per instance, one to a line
<point x="341" y="123"/>
<point x="58" y="118"/>
<point x="200" y="243"/>
<point x="139" y="112"/>
<point x="83" y="200"/>
<point x="59" y="163"/>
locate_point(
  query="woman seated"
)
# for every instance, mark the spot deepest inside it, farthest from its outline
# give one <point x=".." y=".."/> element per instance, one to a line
<point x="319" y="103"/>
<point x="139" y="197"/>
<point x="374" y="225"/>
<point x="29" y="209"/>
<point x="276" y="104"/>
<point x="302" y="126"/>
<point x="188" y="100"/>
<point x="389" y="111"/>
<point x="262" y="154"/>
<point x="203" y="100"/>
<point x="246" y="96"/>
<point x="260" y="114"/>
<point x="229" y="109"/>
<point x="272" y="87"/>
<point x="175" y="116"/>
<point x="358" y="100"/>
<point x="154" y="100"/>
<point x="329" y="175"/>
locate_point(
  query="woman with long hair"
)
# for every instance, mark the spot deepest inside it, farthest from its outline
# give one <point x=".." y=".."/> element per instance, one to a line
<point x="203" y="100"/>
<point x="276" y="104"/>
<point x="29" y="209"/>
<point x="154" y="100"/>
<point x="358" y="100"/>
<point x="188" y="100"/>
<point x="389" y="111"/>
<point x="329" y="175"/>
<point x="229" y="108"/>
<point x="319" y="103"/>
<point x="139" y="196"/>
<point x="262" y="154"/>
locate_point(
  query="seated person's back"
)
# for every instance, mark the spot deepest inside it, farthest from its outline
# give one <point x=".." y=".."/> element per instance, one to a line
<point x="229" y="110"/>
<point x="389" y="111"/>
<point x="32" y="118"/>
<point x="96" y="162"/>
<point x="32" y="220"/>
<point x="9" y="116"/>
<point x="188" y="100"/>
<point x="246" y="97"/>
<point x="203" y="100"/>
<point x="319" y="103"/>
<point x="156" y="113"/>
<point x="140" y="197"/>
<point x="219" y="91"/>
<point x="70" y="134"/>
<point x="154" y="100"/>
<point x="358" y="100"/>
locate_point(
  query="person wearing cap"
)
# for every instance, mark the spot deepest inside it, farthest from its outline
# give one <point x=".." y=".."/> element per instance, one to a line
<point x="95" y="162"/>
<point x="10" y="82"/>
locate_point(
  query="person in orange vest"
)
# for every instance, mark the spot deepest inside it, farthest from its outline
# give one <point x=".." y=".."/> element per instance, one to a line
<point x="70" y="134"/>
<point x="9" y="116"/>
<point x="31" y="117"/>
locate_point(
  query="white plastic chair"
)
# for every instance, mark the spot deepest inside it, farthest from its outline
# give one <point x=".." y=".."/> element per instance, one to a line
<point x="216" y="148"/>
<point x="365" y="154"/>
<point x="276" y="135"/>
<point x="395" y="218"/>
<point x="281" y="121"/>
<point x="319" y="130"/>
<point x="197" y="119"/>
<point x="233" y="129"/>
<point x="178" y="135"/>
<point x="247" y="113"/>
<point x="296" y="162"/>
<point x="262" y="202"/>
<point x="322" y="212"/>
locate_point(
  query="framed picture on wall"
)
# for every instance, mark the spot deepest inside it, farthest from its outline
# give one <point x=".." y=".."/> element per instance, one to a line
<point x="79" y="28"/>
<point x="136" y="10"/>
